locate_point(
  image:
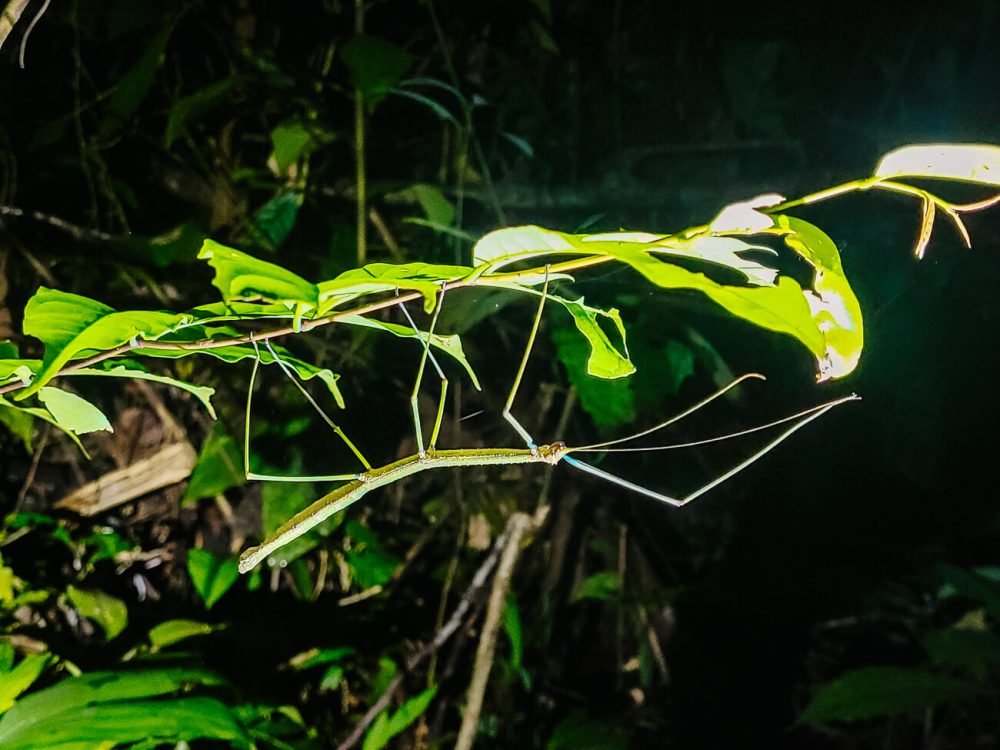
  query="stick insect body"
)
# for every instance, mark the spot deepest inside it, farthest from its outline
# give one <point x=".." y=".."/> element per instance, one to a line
<point x="358" y="485"/>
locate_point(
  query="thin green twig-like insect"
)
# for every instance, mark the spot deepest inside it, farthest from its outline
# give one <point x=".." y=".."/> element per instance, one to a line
<point x="358" y="485"/>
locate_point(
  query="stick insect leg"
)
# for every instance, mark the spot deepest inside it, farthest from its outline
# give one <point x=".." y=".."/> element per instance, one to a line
<point x="525" y="435"/>
<point x="414" y="396"/>
<point x="246" y="440"/>
<point x="806" y="417"/>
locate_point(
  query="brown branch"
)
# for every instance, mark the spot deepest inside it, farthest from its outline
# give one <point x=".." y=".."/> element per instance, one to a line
<point x="10" y="16"/>
<point x="440" y="638"/>
<point x="519" y="524"/>
<point x="74" y="230"/>
<point x="308" y="325"/>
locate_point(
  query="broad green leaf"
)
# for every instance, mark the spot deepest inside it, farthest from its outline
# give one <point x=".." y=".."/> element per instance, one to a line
<point x="966" y="162"/>
<point x="72" y="326"/>
<point x="608" y="402"/>
<point x="450" y="345"/>
<point x="113" y="724"/>
<point x="15" y="681"/>
<point x="212" y="576"/>
<point x="371" y="564"/>
<point x="107" y="611"/>
<point x="835" y="309"/>
<point x="290" y="141"/>
<point x="39" y="413"/>
<point x="605" y="360"/>
<point x="19" y="423"/>
<point x="823" y="321"/>
<point x="386" y="727"/>
<point x="425" y="278"/>
<point x="601" y="586"/>
<point x="174" y="631"/>
<point x="135" y="370"/>
<point x="242" y="277"/>
<point x="437" y="209"/>
<point x="18" y="369"/>
<point x="73" y="413"/>
<point x="194" y="106"/>
<point x="219" y="467"/>
<point x="376" y="66"/>
<point x="74" y="694"/>
<point x="882" y="691"/>
<point x="275" y="220"/>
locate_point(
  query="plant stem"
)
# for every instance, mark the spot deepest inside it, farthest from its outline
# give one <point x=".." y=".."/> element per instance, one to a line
<point x="359" y="149"/>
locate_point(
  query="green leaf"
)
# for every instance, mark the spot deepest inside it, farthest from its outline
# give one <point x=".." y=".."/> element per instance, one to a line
<point x="608" y="402"/>
<point x="966" y="162"/>
<point x="318" y="657"/>
<point x="212" y="576"/>
<point x="290" y="142"/>
<point x="219" y="467"/>
<point x="275" y="220"/>
<point x="973" y="585"/>
<point x="135" y="370"/>
<point x="450" y="345"/>
<point x="18" y="422"/>
<point x="174" y="631"/>
<point x="72" y="326"/>
<point x="371" y="564"/>
<point x="376" y="66"/>
<point x="242" y="277"/>
<point x="825" y="321"/>
<point x="73" y="413"/>
<point x="107" y="611"/>
<point x="437" y="209"/>
<point x="425" y="278"/>
<point x="20" y="678"/>
<point x="45" y="416"/>
<point x="194" y="106"/>
<point x="512" y="626"/>
<point x="605" y="360"/>
<point x="882" y="691"/>
<point x="386" y="727"/>
<point x="601" y="586"/>
<point x="281" y="501"/>
<point x="111" y="724"/>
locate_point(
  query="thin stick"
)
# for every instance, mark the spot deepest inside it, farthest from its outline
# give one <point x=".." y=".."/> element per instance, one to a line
<point x="415" y="395"/>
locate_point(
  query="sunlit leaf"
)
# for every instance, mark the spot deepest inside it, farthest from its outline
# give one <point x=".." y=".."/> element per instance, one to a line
<point x="966" y="162"/>
<point x="107" y="611"/>
<point x="15" y="681"/>
<point x="386" y="727"/>
<point x="135" y="371"/>
<point x="211" y="576"/>
<point x="451" y="344"/>
<point x="882" y="691"/>
<point x="605" y="360"/>
<point x="608" y="402"/>
<point x="72" y="326"/>
<point x="926" y="227"/>
<point x="73" y="413"/>
<point x="425" y="278"/>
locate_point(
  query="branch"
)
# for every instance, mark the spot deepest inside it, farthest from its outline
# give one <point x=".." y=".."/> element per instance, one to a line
<point x="519" y="525"/>
<point x="441" y="637"/>
<point x="309" y="325"/>
<point x="75" y="230"/>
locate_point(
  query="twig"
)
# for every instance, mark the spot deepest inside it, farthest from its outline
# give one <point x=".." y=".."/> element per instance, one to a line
<point x="10" y="16"/>
<point x="440" y="638"/>
<point x="359" y="147"/>
<point x="519" y="525"/>
<point x="75" y="230"/>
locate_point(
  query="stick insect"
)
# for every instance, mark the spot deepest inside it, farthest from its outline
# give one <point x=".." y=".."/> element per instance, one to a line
<point x="429" y="456"/>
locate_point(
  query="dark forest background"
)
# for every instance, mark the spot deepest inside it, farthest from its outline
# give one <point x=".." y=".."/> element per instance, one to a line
<point x="860" y="559"/>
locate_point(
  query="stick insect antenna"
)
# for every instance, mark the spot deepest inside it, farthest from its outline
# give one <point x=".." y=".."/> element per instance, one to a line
<point x="674" y="419"/>
<point x="525" y="435"/>
<point x="414" y="396"/>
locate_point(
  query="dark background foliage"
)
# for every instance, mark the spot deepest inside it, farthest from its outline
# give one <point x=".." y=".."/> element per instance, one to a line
<point x="825" y="557"/>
